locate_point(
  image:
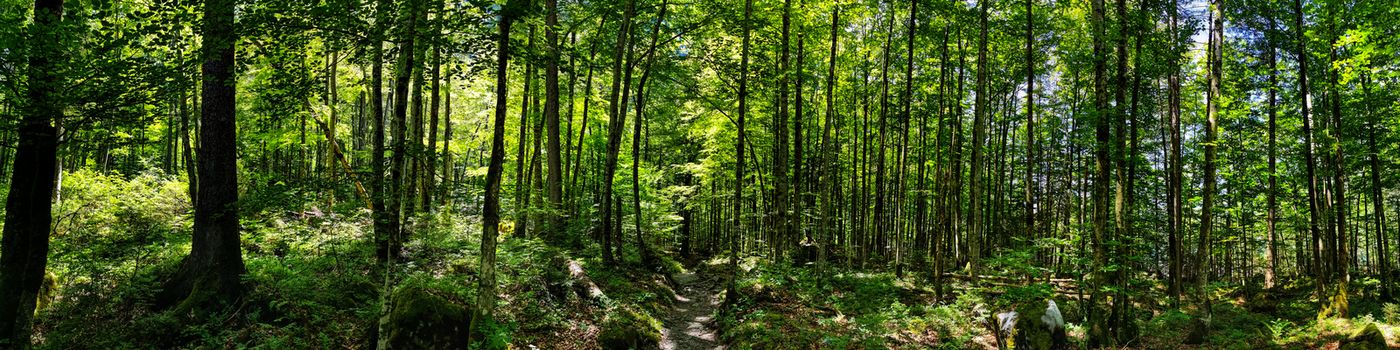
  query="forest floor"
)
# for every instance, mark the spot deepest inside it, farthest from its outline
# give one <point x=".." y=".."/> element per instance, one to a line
<point x="691" y="325"/>
<point x="313" y="282"/>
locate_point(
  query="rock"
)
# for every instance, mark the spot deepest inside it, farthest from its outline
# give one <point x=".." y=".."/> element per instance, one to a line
<point x="628" y="329"/>
<point x="1041" y="328"/>
<point x="1369" y="338"/>
<point x="422" y="320"/>
<point x="1005" y="327"/>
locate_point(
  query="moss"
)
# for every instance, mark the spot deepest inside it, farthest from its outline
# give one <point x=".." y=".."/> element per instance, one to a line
<point x="626" y="328"/>
<point x="422" y="320"/>
<point x="1032" y="331"/>
<point x="1369" y="338"/>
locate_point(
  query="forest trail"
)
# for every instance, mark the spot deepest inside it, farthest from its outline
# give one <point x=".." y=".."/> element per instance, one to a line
<point x="691" y="325"/>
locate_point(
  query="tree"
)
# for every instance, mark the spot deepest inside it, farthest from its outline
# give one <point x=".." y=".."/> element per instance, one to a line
<point x="1214" y="58"/>
<point x="780" y="141"/>
<point x="1031" y="162"/>
<point x="211" y="274"/>
<point x="1377" y="194"/>
<point x="979" y="120"/>
<point x="384" y="221"/>
<point x="1319" y="273"/>
<point x="616" y="108"/>
<point x="643" y="251"/>
<point x="1272" y="271"/>
<point x="554" y="182"/>
<point x="25" y="247"/>
<point x="491" y="203"/>
<point x="399" y="186"/>
<point x="1097" y="332"/>
<point x="731" y="295"/>
<point x="1174" y="181"/>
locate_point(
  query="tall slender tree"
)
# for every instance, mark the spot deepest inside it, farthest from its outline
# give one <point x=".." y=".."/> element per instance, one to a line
<point x="979" y="120"/>
<point x="1305" y="104"/>
<point x="1213" y="72"/>
<point x="616" y="109"/>
<point x="491" y="203"/>
<point x="1271" y="272"/>
<point x="731" y="295"/>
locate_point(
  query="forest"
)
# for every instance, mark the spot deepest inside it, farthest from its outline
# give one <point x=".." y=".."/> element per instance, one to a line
<point x="700" y="174"/>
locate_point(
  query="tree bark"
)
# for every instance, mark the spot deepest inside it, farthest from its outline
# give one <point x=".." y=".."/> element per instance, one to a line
<point x="24" y="248"/>
<point x="731" y="296"/>
<point x="616" y="107"/>
<point x="491" y="204"/>
<point x="553" y="183"/>
<point x="210" y="275"/>
<point x="974" y="235"/>
<point x="1320" y="274"/>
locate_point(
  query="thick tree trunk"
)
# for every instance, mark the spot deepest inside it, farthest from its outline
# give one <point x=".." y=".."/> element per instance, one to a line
<point x="210" y="275"/>
<point x="1342" y="256"/>
<point x="24" y="249"/>
<point x="1097" y="332"/>
<point x="553" y="184"/>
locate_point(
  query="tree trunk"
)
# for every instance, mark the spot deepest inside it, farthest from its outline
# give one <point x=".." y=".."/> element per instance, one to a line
<point x="1174" y="222"/>
<point x="553" y="183"/>
<point x="974" y="206"/>
<point x="1377" y="194"/>
<point x="24" y="249"/>
<point x="1097" y="332"/>
<point x="491" y="204"/>
<point x="522" y="180"/>
<point x="384" y="224"/>
<point x="210" y="275"/>
<point x="638" y="120"/>
<point x="1031" y="157"/>
<point x="616" y="107"/>
<point x="402" y="75"/>
<point x="1213" y="62"/>
<point x="731" y="296"/>
<point x="1271" y="272"/>
<point x="1320" y="274"/>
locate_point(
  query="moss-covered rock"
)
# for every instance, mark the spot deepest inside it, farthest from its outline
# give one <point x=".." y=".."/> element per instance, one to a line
<point x="1369" y="338"/>
<point x="421" y="320"/>
<point x="627" y="328"/>
<point x="1040" y="326"/>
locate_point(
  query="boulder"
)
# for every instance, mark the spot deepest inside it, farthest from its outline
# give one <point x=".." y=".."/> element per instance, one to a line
<point x="420" y="319"/>
<point x="627" y="328"/>
<point x="1041" y="328"/>
<point x="1369" y="338"/>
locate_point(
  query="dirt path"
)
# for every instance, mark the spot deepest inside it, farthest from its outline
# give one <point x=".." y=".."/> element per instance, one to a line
<point x="691" y="324"/>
